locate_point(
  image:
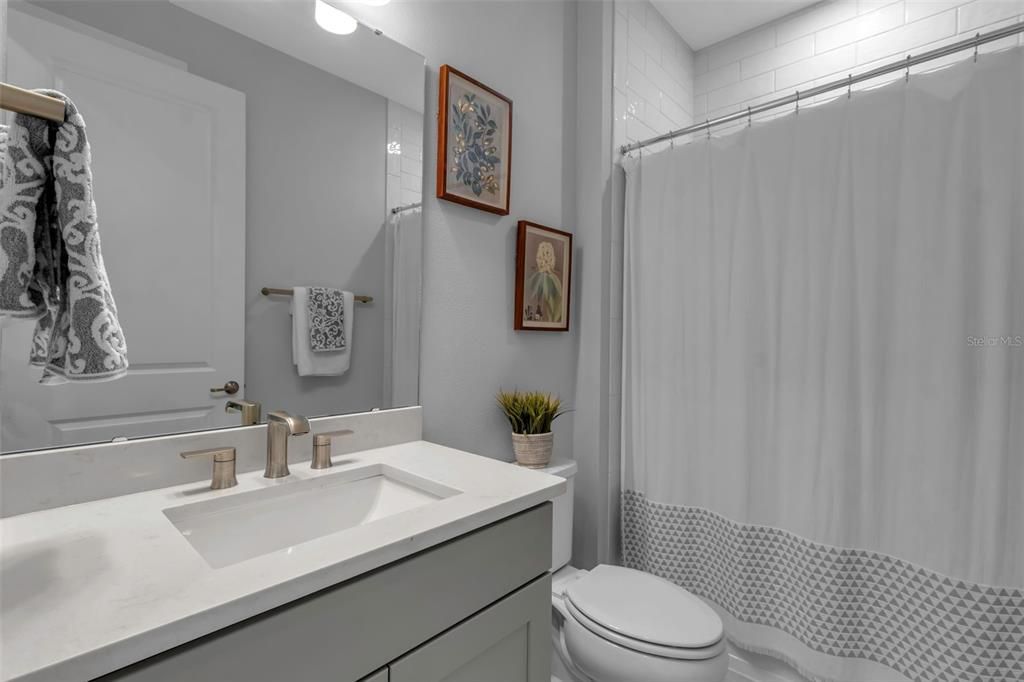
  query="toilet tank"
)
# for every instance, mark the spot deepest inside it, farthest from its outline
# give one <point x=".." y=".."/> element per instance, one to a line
<point x="561" y="513"/>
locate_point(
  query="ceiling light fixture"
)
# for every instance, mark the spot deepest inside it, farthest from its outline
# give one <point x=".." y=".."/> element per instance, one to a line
<point x="332" y="19"/>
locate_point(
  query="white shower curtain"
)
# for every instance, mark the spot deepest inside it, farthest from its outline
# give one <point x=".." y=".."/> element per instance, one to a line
<point x="405" y="292"/>
<point x="823" y="395"/>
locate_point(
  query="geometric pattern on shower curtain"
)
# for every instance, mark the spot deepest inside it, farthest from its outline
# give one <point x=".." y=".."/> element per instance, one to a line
<point x="835" y="600"/>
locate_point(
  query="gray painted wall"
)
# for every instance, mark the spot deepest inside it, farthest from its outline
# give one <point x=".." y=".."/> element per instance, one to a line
<point x="315" y="206"/>
<point x="526" y="51"/>
<point x="595" y="534"/>
<point x="560" y="177"/>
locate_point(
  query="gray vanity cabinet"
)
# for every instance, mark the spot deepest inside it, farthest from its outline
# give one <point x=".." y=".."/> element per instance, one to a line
<point x="473" y="609"/>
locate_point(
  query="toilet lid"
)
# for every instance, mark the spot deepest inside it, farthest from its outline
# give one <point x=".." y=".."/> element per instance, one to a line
<point x="644" y="607"/>
<point x="675" y="652"/>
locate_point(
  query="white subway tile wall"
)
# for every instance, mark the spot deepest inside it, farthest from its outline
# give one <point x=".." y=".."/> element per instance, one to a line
<point x="653" y="94"/>
<point x="653" y="74"/>
<point x="405" y="156"/>
<point x="833" y="39"/>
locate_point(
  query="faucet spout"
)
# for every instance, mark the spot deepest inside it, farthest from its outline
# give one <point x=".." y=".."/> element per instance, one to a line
<point x="281" y="425"/>
<point x="297" y="425"/>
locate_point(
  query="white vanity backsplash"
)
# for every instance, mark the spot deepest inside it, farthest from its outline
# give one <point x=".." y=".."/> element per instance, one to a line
<point x="44" y="479"/>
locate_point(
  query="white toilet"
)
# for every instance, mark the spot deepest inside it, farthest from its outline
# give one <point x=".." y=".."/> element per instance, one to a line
<point x="614" y="624"/>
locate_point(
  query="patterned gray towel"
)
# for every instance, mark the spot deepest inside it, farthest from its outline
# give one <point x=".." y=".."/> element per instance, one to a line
<point x="51" y="269"/>
<point x="326" y="319"/>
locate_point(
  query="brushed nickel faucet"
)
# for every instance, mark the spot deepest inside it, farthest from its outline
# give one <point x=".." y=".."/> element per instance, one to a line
<point x="322" y="447"/>
<point x="223" y="466"/>
<point x="280" y="425"/>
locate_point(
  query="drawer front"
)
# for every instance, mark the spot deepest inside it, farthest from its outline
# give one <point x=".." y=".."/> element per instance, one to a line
<point x="349" y="631"/>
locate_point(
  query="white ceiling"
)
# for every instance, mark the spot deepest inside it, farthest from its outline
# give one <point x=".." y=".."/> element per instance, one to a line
<point x="382" y="65"/>
<point x="372" y="61"/>
<point x="706" y="22"/>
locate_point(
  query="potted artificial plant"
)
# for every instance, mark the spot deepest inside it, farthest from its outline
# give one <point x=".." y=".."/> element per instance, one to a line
<point x="530" y="414"/>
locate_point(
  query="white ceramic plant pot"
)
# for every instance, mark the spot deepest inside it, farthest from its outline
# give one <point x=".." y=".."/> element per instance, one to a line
<point x="533" y="450"/>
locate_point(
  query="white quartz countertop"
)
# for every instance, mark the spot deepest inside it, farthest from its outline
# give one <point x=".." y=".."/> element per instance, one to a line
<point x="89" y="588"/>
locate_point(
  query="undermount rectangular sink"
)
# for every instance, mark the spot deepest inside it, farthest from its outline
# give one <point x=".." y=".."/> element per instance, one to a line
<point x="231" y="529"/>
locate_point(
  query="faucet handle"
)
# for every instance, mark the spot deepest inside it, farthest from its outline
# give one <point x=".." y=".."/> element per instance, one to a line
<point x="223" y="466"/>
<point x="250" y="410"/>
<point x="322" y="447"/>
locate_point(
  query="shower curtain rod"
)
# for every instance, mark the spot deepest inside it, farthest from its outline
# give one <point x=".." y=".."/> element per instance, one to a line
<point x="849" y="81"/>
<point x="408" y="207"/>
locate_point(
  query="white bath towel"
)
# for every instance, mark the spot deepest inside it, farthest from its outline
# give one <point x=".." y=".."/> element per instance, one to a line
<point x="321" y="363"/>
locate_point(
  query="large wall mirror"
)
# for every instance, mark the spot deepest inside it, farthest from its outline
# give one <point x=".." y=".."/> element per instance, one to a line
<point x="239" y="150"/>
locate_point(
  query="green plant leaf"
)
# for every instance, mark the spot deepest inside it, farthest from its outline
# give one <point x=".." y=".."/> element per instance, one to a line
<point x="557" y="284"/>
<point x="529" y="412"/>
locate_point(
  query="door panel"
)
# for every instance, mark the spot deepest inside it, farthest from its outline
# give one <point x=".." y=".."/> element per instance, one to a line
<point x="509" y="641"/>
<point x="168" y="161"/>
<point x="379" y="676"/>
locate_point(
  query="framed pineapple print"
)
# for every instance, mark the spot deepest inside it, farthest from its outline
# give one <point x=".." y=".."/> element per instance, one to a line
<point x="474" y="143"/>
<point x="543" y="278"/>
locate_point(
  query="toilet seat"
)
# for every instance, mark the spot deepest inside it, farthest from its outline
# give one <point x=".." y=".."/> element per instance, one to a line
<point x="678" y="653"/>
<point x="645" y="613"/>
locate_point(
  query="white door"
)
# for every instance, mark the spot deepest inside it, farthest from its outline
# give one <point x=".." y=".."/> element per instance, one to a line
<point x="168" y="161"/>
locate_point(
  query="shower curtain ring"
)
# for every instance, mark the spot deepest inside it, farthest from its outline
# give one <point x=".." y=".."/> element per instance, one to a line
<point x="977" y="42"/>
<point x="707" y="126"/>
<point x="748" y="117"/>
<point x="797" y="101"/>
<point x="906" y="78"/>
<point x="849" y="86"/>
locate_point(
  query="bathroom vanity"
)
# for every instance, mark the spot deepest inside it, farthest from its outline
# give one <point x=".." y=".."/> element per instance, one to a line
<point x="410" y="561"/>
<point x="474" y="608"/>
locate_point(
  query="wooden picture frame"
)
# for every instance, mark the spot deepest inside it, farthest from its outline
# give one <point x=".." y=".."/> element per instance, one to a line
<point x="543" y="278"/>
<point x="474" y="143"/>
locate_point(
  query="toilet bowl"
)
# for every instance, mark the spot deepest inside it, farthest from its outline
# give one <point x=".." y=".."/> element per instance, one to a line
<point x="615" y="624"/>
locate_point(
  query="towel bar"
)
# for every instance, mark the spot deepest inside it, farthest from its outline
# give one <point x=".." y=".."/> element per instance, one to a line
<point x="268" y="291"/>
<point x="20" y="101"/>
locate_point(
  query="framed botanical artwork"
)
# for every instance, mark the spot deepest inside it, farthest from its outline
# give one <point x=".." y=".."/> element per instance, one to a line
<point x="474" y="143"/>
<point x="543" y="278"/>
